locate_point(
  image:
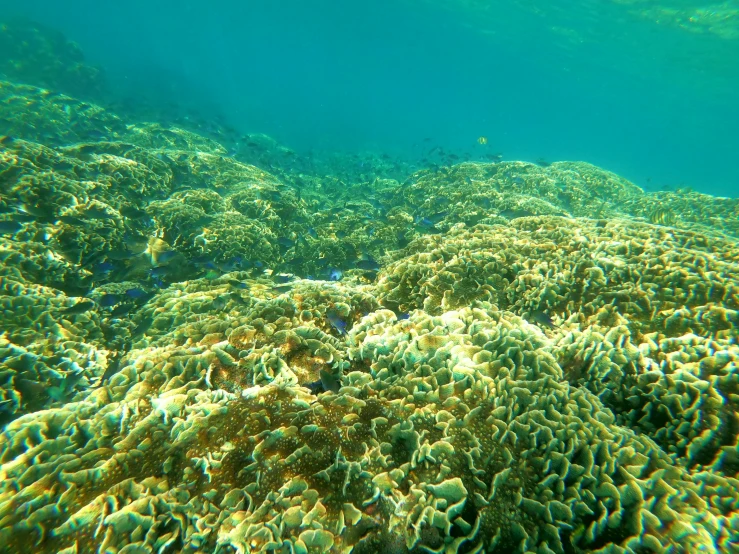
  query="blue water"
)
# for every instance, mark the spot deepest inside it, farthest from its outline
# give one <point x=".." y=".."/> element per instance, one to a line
<point x="647" y="94"/>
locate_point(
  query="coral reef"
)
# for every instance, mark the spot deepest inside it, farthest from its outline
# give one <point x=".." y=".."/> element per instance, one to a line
<point x="199" y="355"/>
<point x="43" y="57"/>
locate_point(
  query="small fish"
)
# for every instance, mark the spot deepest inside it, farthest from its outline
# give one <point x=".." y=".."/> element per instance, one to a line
<point x="135" y="244"/>
<point x="160" y="271"/>
<point x="79" y="308"/>
<point x="140" y="295"/>
<point x="70" y="220"/>
<point x="103" y="269"/>
<point x="283" y="278"/>
<point x="109" y="300"/>
<point x="114" y="366"/>
<point x="105" y="231"/>
<point x="336" y="321"/>
<point x="272" y="195"/>
<point x="437" y="217"/>
<point x="335" y="274"/>
<point x="8" y="227"/>
<point x="515" y="214"/>
<point x="95" y="134"/>
<point x="143" y="326"/>
<point x="236" y="297"/>
<point x="662" y="216"/>
<point x="204" y="261"/>
<point x="201" y="221"/>
<point x="424" y="222"/>
<point x="121" y="310"/>
<point x="285" y="243"/>
<point x="282" y="288"/>
<point x="132" y="212"/>
<point x="135" y="293"/>
<point x="326" y="383"/>
<point x="157" y="248"/>
<point x="368" y="264"/>
<point x="237" y="262"/>
<point x="316" y="387"/>
<point x="30" y="388"/>
<point x="237" y="284"/>
<point x="482" y="140"/>
<point x="219" y="302"/>
<point x="40" y="211"/>
<point x="99" y="213"/>
<point x="25" y="217"/>
<point x="543" y="319"/>
<point x="431" y="220"/>
<point x="330" y="382"/>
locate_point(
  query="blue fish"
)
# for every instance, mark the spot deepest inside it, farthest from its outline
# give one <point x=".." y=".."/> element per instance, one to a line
<point x="336" y="322"/>
<point x="543" y="319"/>
<point x="285" y="243"/>
<point x="327" y="383"/>
<point x="136" y="293"/>
<point x="159" y="271"/>
<point x="431" y="220"/>
<point x="103" y="269"/>
<point x="108" y="300"/>
<point x="368" y="263"/>
<point x="237" y="262"/>
<point x="335" y="274"/>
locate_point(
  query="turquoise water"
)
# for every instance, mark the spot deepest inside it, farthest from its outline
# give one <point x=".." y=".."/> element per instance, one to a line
<point x="411" y="277"/>
<point x="646" y="89"/>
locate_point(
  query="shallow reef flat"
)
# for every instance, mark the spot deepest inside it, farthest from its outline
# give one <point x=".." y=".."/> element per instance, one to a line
<point x="202" y="355"/>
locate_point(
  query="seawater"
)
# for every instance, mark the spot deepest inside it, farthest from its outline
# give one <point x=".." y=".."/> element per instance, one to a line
<point x="395" y="277"/>
<point x="646" y="89"/>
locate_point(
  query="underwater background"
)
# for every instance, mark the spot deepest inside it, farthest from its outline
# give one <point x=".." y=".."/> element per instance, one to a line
<point x="644" y="88"/>
<point x="412" y="277"/>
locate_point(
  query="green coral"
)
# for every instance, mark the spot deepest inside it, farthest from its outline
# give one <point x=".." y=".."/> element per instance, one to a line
<point x="40" y="56"/>
<point x="538" y="366"/>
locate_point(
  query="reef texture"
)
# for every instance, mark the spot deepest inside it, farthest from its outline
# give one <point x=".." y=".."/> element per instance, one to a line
<point x="43" y="57"/>
<point x="545" y="362"/>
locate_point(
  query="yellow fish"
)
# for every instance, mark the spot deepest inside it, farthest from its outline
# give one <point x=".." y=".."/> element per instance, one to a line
<point x="662" y="216"/>
<point x="482" y="140"/>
